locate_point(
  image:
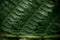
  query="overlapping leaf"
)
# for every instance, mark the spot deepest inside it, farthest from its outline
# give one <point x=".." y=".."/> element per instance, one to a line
<point x="28" y="17"/>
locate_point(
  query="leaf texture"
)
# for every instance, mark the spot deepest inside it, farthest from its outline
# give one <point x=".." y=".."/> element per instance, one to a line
<point x="28" y="17"/>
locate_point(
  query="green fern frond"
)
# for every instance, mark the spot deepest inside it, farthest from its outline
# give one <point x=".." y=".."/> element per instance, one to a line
<point x="28" y="17"/>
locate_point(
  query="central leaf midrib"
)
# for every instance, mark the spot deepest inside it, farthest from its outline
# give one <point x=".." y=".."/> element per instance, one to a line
<point x="50" y="25"/>
<point x="32" y="16"/>
<point x="11" y="12"/>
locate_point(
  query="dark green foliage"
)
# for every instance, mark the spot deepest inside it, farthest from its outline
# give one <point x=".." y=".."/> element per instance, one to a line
<point x="30" y="17"/>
